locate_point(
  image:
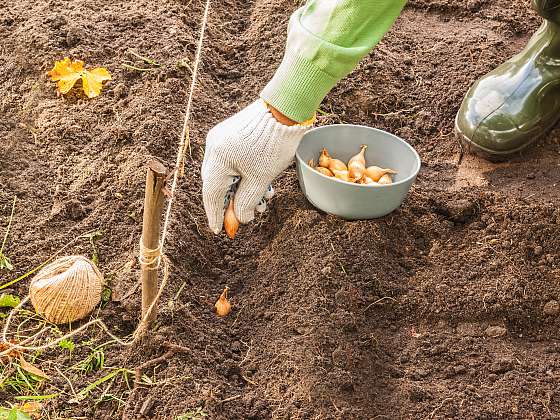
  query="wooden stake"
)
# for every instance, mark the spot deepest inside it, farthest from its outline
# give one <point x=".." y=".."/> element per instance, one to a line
<point x="151" y="227"/>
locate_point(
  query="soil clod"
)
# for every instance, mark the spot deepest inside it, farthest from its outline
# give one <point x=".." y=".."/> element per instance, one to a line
<point x="495" y="331"/>
<point x="552" y="308"/>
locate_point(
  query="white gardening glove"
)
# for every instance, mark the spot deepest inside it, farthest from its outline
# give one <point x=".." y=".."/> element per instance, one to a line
<point x="253" y="145"/>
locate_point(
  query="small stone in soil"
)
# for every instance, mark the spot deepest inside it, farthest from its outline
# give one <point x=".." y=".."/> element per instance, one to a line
<point x="460" y="369"/>
<point x="395" y="372"/>
<point x="119" y="90"/>
<point x="236" y="347"/>
<point x="501" y="366"/>
<point x="147" y="406"/>
<point x="460" y="211"/>
<point x="435" y="249"/>
<point x="326" y="270"/>
<point x="495" y="331"/>
<point x="301" y="330"/>
<point x="538" y="250"/>
<point x="438" y="349"/>
<point x="449" y="372"/>
<point x="404" y="359"/>
<point x="467" y="329"/>
<point x="552" y="308"/>
<point x="73" y="36"/>
<point x="419" y="374"/>
<point x="418" y="394"/>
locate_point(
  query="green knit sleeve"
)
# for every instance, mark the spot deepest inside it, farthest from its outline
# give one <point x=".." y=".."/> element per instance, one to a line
<point x="326" y="40"/>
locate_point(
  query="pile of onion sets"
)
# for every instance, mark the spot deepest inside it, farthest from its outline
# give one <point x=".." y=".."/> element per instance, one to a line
<point x="356" y="172"/>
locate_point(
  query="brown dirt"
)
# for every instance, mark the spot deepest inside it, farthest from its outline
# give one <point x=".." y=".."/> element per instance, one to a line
<point x="332" y="320"/>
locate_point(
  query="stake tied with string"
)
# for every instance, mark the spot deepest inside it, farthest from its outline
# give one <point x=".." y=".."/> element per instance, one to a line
<point x="152" y="244"/>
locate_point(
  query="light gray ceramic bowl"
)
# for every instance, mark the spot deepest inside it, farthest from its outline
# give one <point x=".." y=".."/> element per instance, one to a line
<point x="355" y="201"/>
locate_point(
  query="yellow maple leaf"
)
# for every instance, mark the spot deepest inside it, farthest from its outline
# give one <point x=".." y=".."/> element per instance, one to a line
<point x="67" y="72"/>
<point x="92" y="81"/>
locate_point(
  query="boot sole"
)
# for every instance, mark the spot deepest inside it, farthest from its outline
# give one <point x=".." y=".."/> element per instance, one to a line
<point x="472" y="148"/>
<point x="490" y="155"/>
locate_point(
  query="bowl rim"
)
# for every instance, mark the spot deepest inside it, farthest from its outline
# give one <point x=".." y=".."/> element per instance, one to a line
<point x="300" y="161"/>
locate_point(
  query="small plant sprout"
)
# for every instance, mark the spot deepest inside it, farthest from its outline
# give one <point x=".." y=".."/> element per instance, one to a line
<point x="94" y="361"/>
<point x="148" y="63"/>
<point x="106" y="295"/>
<point x="68" y="345"/>
<point x="5" y="262"/>
<point x="18" y="380"/>
<point x="8" y="301"/>
<point x="93" y="237"/>
<point x="110" y="378"/>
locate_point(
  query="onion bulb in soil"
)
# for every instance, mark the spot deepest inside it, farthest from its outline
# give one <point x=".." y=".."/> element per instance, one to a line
<point x="67" y="289"/>
<point x="357" y="164"/>
<point x="231" y="224"/>
<point x="223" y="307"/>
<point x="375" y="172"/>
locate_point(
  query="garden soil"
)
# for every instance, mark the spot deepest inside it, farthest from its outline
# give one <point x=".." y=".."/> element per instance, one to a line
<point x="443" y="309"/>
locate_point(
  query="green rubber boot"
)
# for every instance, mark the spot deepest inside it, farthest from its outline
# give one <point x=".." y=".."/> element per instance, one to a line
<point x="518" y="102"/>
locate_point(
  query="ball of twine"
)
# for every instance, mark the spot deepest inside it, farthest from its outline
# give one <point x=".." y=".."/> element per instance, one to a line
<point x="67" y="289"/>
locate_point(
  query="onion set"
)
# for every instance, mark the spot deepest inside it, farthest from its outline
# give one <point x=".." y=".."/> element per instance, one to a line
<point x="223" y="307"/>
<point x="356" y="172"/>
<point x="376" y="173"/>
<point x="231" y="224"/>
<point x="357" y="164"/>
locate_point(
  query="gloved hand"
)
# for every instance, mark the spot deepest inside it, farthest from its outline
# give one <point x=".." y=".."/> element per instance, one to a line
<point x="253" y="145"/>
